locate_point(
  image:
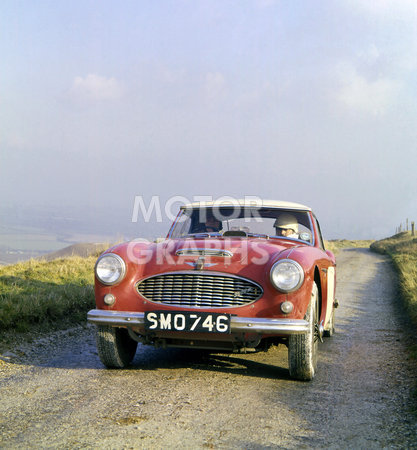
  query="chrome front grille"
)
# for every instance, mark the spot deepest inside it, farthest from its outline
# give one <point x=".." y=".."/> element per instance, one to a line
<point x="199" y="290"/>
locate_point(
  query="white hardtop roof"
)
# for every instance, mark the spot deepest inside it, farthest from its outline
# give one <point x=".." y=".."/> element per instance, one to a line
<point x="247" y="203"/>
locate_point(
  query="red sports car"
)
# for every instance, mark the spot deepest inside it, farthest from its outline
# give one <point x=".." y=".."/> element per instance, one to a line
<point x="228" y="277"/>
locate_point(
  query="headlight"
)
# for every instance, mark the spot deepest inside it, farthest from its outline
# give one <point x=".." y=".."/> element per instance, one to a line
<point x="110" y="268"/>
<point x="287" y="275"/>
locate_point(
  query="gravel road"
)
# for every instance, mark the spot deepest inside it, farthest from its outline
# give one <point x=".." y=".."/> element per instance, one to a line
<point x="55" y="393"/>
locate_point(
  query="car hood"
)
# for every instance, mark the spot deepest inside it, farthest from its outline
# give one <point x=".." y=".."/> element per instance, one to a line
<point x="233" y="255"/>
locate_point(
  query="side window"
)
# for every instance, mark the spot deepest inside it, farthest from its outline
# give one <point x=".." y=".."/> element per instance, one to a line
<point x="321" y="243"/>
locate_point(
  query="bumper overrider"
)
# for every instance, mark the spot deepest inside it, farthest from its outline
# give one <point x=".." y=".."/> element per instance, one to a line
<point x="237" y="324"/>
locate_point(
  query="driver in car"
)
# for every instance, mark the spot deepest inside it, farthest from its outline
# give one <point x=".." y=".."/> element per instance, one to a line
<point x="286" y="225"/>
<point x="211" y="225"/>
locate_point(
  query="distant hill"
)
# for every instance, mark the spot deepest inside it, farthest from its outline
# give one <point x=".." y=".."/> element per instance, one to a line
<point x="82" y="249"/>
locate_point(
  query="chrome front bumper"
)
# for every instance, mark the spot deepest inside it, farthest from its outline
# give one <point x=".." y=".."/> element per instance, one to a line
<point x="237" y="324"/>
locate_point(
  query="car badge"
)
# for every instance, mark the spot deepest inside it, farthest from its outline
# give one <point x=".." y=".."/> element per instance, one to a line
<point x="200" y="263"/>
<point x="246" y="291"/>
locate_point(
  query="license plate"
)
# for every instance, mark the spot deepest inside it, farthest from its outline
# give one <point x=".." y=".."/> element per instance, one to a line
<point x="187" y="321"/>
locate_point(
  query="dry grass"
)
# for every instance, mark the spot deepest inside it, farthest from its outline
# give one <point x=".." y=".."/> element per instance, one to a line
<point x="402" y="248"/>
<point x="40" y="294"/>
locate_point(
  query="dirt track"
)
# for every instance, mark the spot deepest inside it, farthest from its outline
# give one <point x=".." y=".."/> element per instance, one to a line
<point x="57" y="393"/>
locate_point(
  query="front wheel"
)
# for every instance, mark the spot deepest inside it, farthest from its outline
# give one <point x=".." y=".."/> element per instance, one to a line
<point x="302" y="348"/>
<point x="116" y="348"/>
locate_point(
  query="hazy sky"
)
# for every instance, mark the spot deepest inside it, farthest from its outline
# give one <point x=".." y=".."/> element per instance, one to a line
<point x="306" y="101"/>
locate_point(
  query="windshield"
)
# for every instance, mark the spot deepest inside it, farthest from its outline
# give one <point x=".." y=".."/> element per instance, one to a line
<point x="251" y="222"/>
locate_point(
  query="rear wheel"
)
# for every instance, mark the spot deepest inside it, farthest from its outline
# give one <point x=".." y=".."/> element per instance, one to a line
<point x="116" y="348"/>
<point x="302" y="348"/>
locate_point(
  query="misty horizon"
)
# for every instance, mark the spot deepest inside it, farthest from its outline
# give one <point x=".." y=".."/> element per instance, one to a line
<point x="150" y="221"/>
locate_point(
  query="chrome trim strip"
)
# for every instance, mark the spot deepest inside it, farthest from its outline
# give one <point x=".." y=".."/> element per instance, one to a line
<point x="237" y="324"/>
<point x="239" y="204"/>
<point x="203" y="252"/>
<point x="313" y="240"/>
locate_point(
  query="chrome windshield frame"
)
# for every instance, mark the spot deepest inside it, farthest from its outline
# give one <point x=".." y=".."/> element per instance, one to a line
<point x="202" y="235"/>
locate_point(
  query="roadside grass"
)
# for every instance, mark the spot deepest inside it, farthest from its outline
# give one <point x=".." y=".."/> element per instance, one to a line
<point x="45" y="295"/>
<point x="335" y="245"/>
<point x="402" y="249"/>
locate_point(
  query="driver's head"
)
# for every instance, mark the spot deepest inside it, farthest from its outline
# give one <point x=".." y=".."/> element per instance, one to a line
<point x="212" y="224"/>
<point x="286" y="225"/>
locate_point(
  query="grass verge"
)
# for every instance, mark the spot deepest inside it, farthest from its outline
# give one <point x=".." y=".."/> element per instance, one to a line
<point x="45" y="295"/>
<point x="402" y="249"/>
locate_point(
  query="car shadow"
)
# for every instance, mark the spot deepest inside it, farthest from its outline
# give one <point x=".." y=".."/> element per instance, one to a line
<point x="250" y="364"/>
<point x="149" y="359"/>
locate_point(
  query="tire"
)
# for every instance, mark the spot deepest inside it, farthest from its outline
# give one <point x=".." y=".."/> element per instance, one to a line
<point x="116" y="348"/>
<point x="330" y="331"/>
<point x="302" y="348"/>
